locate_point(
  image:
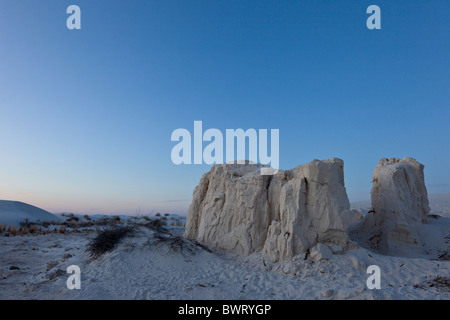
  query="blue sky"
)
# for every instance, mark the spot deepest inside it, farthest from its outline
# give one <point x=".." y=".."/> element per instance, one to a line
<point x="86" y="115"/>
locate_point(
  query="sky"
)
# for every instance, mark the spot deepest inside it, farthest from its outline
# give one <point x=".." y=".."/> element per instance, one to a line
<point x="86" y="116"/>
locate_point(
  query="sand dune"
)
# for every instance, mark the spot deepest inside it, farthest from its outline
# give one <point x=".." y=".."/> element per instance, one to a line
<point x="14" y="212"/>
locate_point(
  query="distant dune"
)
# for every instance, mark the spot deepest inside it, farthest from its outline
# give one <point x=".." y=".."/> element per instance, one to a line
<point x="439" y="204"/>
<point x="14" y="212"/>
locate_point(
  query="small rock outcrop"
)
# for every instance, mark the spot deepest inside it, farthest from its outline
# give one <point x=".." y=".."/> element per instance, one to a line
<point x="399" y="207"/>
<point x="237" y="209"/>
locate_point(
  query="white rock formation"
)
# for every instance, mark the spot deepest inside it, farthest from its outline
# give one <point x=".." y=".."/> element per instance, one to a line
<point x="237" y="209"/>
<point x="399" y="207"/>
<point x="230" y="208"/>
<point x="309" y="205"/>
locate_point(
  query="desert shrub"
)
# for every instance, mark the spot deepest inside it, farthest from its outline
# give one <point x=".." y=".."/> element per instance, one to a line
<point x="108" y="221"/>
<point x="62" y="230"/>
<point x="46" y="224"/>
<point x="441" y="284"/>
<point x="80" y="224"/>
<point x="32" y="229"/>
<point x="156" y="225"/>
<point x="85" y="224"/>
<point x="445" y="256"/>
<point x="56" y="274"/>
<point x="25" y="223"/>
<point x="106" y="240"/>
<point x="51" y="265"/>
<point x="22" y="230"/>
<point x="176" y="244"/>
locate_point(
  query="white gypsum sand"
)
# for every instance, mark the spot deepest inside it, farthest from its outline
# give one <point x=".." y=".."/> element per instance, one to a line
<point x="34" y="267"/>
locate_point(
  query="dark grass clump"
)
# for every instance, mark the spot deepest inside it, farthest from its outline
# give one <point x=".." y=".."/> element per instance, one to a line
<point x="107" y="240"/>
<point x="156" y="225"/>
<point x="176" y="244"/>
<point x="108" y="221"/>
<point x="445" y="256"/>
<point x="441" y="284"/>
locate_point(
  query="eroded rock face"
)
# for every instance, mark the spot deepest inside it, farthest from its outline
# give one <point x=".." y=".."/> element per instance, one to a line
<point x="237" y="209"/>
<point x="310" y="206"/>
<point x="399" y="207"/>
<point x="230" y="209"/>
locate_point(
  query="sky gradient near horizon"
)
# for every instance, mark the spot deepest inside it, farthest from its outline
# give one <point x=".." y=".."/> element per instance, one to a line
<point x="86" y="115"/>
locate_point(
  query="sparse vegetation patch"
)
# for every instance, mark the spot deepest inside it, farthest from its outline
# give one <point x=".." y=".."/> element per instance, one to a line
<point x="107" y="240"/>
